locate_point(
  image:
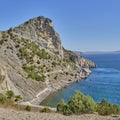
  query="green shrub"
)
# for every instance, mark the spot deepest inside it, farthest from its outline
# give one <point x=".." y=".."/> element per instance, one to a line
<point x="1" y="42"/>
<point x="10" y="32"/>
<point x="64" y="108"/>
<point x="67" y="110"/>
<point x="46" y="110"/>
<point x="3" y="99"/>
<point x="60" y="106"/>
<point x="48" y="70"/>
<point x="28" y="108"/>
<point x="28" y="69"/>
<point x="71" y="74"/>
<point x="23" y="53"/>
<point x="79" y="103"/>
<point x="67" y="73"/>
<point x="105" y="108"/>
<point x="35" y="76"/>
<point x="18" y="97"/>
<point x="38" y="62"/>
<point x="43" y="54"/>
<point x="40" y="78"/>
<point x="56" y="77"/>
<point x="9" y="94"/>
<point x="54" y="64"/>
<point x="10" y="47"/>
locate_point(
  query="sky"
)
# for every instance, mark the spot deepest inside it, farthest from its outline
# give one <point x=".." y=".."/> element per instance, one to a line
<point x="83" y="25"/>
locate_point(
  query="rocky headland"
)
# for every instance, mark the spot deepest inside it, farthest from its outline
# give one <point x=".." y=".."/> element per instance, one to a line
<point x="33" y="63"/>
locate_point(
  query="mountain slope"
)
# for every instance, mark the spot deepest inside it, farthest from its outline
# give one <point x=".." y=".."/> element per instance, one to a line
<point x="42" y="31"/>
<point x="33" y="62"/>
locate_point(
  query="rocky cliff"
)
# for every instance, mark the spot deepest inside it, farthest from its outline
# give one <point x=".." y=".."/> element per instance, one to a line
<point x="33" y="62"/>
<point x="41" y="30"/>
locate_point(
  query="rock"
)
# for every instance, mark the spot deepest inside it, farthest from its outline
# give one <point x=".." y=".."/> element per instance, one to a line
<point x="41" y="30"/>
<point x="33" y="51"/>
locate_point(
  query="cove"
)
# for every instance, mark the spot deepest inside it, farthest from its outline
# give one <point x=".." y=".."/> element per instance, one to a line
<point x="103" y="82"/>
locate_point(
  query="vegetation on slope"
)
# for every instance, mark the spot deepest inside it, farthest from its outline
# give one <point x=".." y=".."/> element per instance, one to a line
<point x="33" y="52"/>
<point x="9" y="98"/>
<point x="79" y="103"/>
<point x="1" y="42"/>
<point x="35" y="60"/>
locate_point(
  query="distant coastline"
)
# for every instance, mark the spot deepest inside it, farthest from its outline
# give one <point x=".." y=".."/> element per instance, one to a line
<point x="96" y="52"/>
<point x="105" y="79"/>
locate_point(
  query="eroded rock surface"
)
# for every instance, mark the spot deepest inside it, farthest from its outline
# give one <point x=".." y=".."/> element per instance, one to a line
<point x="33" y="61"/>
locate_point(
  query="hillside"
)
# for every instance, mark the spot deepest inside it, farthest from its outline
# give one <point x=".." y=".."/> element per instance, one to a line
<point x="33" y="62"/>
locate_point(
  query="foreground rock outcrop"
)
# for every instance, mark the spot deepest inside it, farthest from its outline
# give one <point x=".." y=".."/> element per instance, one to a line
<point x="33" y="62"/>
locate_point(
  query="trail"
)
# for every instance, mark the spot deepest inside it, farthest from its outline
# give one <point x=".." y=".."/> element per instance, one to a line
<point x="45" y="92"/>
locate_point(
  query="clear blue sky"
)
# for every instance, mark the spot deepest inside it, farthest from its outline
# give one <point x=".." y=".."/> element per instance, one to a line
<point x="85" y="25"/>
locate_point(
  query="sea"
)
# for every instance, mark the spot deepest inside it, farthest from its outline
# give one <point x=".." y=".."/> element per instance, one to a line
<point x="102" y="83"/>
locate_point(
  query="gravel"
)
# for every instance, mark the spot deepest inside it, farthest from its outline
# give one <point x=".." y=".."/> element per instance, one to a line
<point x="10" y="114"/>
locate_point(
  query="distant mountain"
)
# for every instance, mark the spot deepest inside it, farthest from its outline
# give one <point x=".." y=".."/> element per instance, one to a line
<point x="97" y="52"/>
<point x="117" y="51"/>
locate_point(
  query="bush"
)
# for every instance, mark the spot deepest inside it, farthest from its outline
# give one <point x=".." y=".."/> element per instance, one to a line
<point x="28" y="69"/>
<point x="71" y="74"/>
<point x="35" y="76"/>
<point x="105" y="108"/>
<point x="46" y="110"/>
<point x="28" y="108"/>
<point x="10" y="47"/>
<point x="32" y="74"/>
<point x="43" y="54"/>
<point x="38" y="62"/>
<point x="62" y="107"/>
<point x="18" y="97"/>
<point x="67" y="110"/>
<point x="9" y="94"/>
<point x="56" y="77"/>
<point x="54" y="64"/>
<point x="10" y="33"/>
<point x="40" y="78"/>
<point x="67" y="73"/>
<point x="3" y="99"/>
<point x="79" y="103"/>
<point x="23" y="53"/>
<point x="1" y="42"/>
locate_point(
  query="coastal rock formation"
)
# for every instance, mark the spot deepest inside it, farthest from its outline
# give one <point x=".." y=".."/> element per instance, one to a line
<point x="41" y="30"/>
<point x="33" y="61"/>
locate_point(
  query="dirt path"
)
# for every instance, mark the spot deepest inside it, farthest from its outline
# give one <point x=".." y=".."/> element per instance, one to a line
<point x="9" y="114"/>
<point x="44" y="93"/>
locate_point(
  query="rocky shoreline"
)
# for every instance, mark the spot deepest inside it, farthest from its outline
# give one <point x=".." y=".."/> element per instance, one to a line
<point x="42" y="95"/>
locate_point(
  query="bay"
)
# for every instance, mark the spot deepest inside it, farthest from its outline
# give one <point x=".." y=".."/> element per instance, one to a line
<point x="103" y="82"/>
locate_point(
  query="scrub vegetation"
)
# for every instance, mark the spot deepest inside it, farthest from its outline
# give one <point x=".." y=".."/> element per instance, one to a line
<point x="80" y="103"/>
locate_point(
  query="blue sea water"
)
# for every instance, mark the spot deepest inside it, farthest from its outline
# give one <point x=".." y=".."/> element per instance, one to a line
<point x="104" y="82"/>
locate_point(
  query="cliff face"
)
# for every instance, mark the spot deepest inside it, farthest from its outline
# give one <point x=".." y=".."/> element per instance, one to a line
<point x="78" y="60"/>
<point x="32" y="59"/>
<point x="41" y="30"/>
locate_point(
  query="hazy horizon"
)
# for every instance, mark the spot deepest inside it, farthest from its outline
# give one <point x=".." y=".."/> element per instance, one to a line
<point x="99" y="51"/>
